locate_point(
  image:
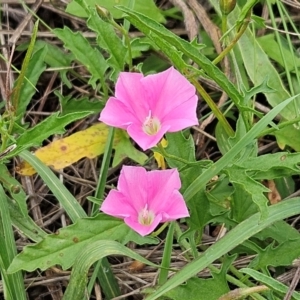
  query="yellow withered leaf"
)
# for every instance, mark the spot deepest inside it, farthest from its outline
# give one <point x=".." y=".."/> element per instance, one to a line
<point x="64" y="152"/>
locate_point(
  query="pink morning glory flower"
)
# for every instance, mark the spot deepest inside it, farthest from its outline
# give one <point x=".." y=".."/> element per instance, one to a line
<point x="145" y="199"/>
<point x="148" y="107"/>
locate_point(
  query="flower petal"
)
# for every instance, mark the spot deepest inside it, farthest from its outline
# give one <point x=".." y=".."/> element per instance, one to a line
<point x="117" y="114"/>
<point x="132" y="93"/>
<point x="133" y="184"/>
<point x="117" y="205"/>
<point x="161" y="187"/>
<point x="143" y="229"/>
<point x="175" y="208"/>
<point x="182" y="116"/>
<point x="168" y="90"/>
<point x="144" y="140"/>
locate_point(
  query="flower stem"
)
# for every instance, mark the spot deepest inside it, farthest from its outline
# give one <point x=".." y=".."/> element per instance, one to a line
<point x="160" y="229"/>
<point x="165" y="264"/>
<point x="242" y="29"/>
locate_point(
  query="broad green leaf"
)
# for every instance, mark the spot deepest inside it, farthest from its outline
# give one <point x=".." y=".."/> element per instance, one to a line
<point x="35" y="68"/>
<point x="108" y="40"/>
<point x="72" y="105"/>
<point x="238" y="176"/>
<point x="290" y="136"/>
<point x="211" y="288"/>
<point x="124" y="148"/>
<point x="146" y="7"/>
<point x="233" y="238"/>
<point x="88" y="143"/>
<point x="52" y="125"/>
<point x="89" y="255"/>
<point x="200" y="213"/>
<point x="270" y="282"/>
<point x="279" y="231"/>
<point x="272" y="49"/>
<point x="180" y="146"/>
<point x="242" y="204"/>
<point x="14" y="188"/>
<point x="13" y="284"/>
<point x="275" y="256"/>
<point x="63" y="247"/>
<point x="271" y="166"/>
<point x="200" y="182"/>
<point x="226" y="142"/>
<point x="80" y="46"/>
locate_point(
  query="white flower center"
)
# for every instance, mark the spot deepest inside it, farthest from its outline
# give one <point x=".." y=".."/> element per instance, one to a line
<point x="151" y="125"/>
<point x="146" y="217"/>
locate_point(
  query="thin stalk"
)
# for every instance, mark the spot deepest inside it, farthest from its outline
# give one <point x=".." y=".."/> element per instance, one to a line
<point x="216" y="111"/>
<point x="166" y="259"/>
<point x="234" y="41"/>
<point x="279" y="126"/>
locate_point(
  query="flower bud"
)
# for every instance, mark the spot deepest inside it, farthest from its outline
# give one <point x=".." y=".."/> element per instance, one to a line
<point x="227" y="6"/>
<point x="103" y="13"/>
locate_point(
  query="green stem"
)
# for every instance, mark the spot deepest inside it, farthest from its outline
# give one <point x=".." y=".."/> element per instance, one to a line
<point x="234" y="41"/>
<point x="216" y="111"/>
<point x="165" y="264"/>
<point x="127" y="40"/>
<point x="279" y="126"/>
<point x="224" y="23"/>
<point x="160" y="230"/>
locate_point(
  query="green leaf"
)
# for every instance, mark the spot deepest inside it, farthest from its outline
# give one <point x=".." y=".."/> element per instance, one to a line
<point x="14" y="188"/>
<point x="233" y="238"/>
<point x="212" y="288"/>
<point x="146" y="7"/>
<point x="124" y="149"/>
<point x="63" y="247"/>
<point x="89" y="255"/>
<point x="108" y="40"/>
<point x="258" y="65"/>
<point x="290" y="136"/>
<point x="200" y="182"/>
<point x="13" y="284"/>
<point x="35" y="68"/>
<point x="71" y="105"/>
<point x="25" y="224"/>
<point x="80" y="46"/>
<point x="51" y="125"/>
<point x="200" y="212"/>
<point x="242" y="204"/>
<point x="271" y="166"/>
<point x="270" y="282"/>
<point x="226" y="142"/>
<point x="272" y="49"/>
<point x="238" y="177"/>
<point x="66" y="199"/>
<point x="282" y="255"/>
<point x="57" y="58"/>
<point x="154" y="30"/>
<point x="180" y="146"/>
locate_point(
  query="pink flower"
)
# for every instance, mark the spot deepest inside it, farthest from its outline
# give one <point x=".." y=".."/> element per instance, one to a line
<point x="148" y="107"/>
<point x="145" y="199"/>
